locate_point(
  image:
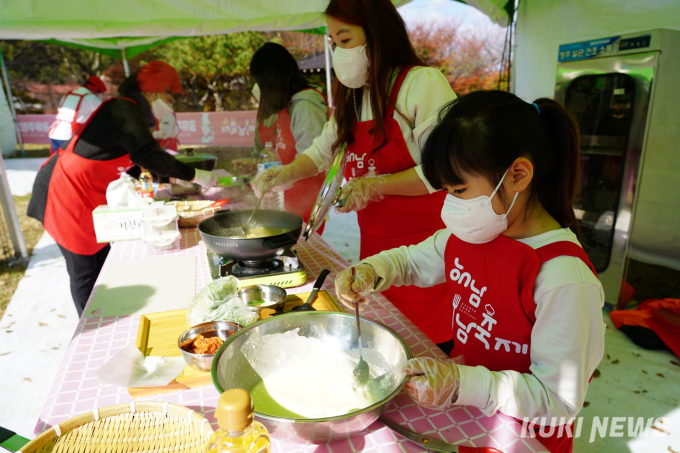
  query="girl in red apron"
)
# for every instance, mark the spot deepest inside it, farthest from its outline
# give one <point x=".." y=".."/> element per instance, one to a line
<point x="384" y="100"/>
<point x="525" y="301"/>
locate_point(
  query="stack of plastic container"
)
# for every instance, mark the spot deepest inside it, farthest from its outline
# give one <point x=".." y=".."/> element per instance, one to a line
<point x="160" y="230"/>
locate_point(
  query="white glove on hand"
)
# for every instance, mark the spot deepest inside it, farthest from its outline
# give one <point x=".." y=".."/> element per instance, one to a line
<point x="205" y="179"/>
<point x="434" y="383"/>
<point x="358" y="192"/>
<point x="277" y="178"/>
<point x="353" y="290"/>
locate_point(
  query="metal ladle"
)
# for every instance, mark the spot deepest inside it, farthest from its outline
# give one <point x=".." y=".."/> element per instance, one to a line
<point x="361" y="371"/>
<point x="247" y="224"/>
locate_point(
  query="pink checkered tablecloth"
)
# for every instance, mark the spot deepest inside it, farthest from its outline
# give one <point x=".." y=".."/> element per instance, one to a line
<point x="76" y="388"/>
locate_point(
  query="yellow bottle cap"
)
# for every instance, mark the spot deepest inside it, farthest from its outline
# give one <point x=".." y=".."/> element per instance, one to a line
<point x="235" y="410"/>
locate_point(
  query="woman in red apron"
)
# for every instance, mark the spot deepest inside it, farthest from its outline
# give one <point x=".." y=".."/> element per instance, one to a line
<point x="385" y="99"/>
<point x="525" y="301"/>
<point x="73" y="182"/>
<point x="290" y="116"/>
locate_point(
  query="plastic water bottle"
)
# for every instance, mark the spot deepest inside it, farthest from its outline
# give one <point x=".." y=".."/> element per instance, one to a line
<point x="269" y="158"/>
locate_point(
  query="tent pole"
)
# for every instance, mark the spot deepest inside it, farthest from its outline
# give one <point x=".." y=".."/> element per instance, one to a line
<point x="10" y="101"/>
<point x="11" y="217"/>
<point x="126" y="66"/>
<point x="327" y="55"/>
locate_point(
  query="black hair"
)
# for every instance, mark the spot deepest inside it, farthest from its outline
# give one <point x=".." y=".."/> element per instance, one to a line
<point x="130" y="89"/>
<point x="482" y="133"/>
<point x="278" y="75"/>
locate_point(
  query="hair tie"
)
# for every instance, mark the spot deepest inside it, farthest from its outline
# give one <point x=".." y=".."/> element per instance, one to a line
<point x="538" y="111"/>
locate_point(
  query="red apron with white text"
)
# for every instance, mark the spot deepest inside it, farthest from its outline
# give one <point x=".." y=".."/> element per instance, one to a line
<point x="300" y="198"/>
<point x="491" y="289"/>
<point x="77" y="186"/>
<point x="398" y="220"/>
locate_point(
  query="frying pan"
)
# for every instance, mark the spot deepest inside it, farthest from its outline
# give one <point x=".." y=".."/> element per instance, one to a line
<point x="222" y="234"/>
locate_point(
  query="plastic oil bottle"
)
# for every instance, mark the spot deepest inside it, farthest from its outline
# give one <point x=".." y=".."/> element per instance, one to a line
<point x="269" y="158"/>
<point x="238" y="431"/>
<point x="146" y="183"/>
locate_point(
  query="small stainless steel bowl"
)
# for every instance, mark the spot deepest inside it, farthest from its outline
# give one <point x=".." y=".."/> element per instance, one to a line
<point x="263" y="296"/>
<point x="222" y="329"/>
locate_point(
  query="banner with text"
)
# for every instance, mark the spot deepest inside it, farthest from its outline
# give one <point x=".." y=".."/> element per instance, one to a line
<point x="206" y="128"/>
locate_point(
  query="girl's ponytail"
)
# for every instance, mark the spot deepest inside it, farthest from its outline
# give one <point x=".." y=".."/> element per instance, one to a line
<point x="560" y="179"/>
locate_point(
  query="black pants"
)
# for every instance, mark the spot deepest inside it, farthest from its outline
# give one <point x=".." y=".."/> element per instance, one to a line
<point x="83" y="271"/>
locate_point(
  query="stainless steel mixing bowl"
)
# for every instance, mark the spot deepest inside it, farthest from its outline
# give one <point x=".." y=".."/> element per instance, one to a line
<point x="231" y="369"/>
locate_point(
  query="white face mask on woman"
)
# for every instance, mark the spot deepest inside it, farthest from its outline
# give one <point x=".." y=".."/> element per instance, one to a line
<point x="475" y="221"/>
<point x="351" y="66"/>
<point x="160" y="109"/>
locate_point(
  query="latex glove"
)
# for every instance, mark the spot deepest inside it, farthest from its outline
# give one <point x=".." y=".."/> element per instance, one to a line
<point x="276" y="178"/>
<point x="205" y="179"/>
<point x="434" y="383"/>
<point x="245" y="166"/>
<point x="353" y="291"/>
<point x="358" y="192"/>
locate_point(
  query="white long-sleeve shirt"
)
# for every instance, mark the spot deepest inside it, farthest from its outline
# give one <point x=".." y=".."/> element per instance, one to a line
<point x="567" y="340"/>
<point x="424" y="91"/>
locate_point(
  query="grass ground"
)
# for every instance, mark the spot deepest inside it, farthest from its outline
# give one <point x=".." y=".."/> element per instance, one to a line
<point x="10" y="275"/>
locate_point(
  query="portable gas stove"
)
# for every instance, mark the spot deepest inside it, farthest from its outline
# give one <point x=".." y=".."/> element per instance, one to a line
<point x="285" y="271"/>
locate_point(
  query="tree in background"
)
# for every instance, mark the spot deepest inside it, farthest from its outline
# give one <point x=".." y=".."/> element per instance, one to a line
<point x="41" y="73"/>
<point x="215" y="69"/>
<point x="469" y="60"/>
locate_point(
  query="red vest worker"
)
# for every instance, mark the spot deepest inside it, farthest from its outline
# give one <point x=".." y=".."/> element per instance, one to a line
<point x="290" y="116"/>
<point x="75" y="109"/>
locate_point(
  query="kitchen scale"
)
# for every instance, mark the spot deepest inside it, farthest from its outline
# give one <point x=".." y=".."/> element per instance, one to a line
<point x="285" y="270"/>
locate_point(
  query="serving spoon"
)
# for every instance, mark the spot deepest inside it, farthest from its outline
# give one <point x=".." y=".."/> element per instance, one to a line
<point x="247" y="224"/>
<point x="361" y="371"/>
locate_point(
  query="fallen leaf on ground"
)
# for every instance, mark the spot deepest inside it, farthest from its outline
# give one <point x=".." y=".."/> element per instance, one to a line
<point x="608" y="358"/>
<point x="660" y="375"/>
<point x="42" y="324"/>
<point x="644" y="372"/>
<point x="62" y="316"/>
<point x="28" y="379"/>
<point x="636" y="354"/>
<point x="614" y="362"/>
<point x="586" y="403"/>
<point x="4" y="353"/>
<point x="52" y="310"/>
<point x="636" y="391"/>
<point x="9" y="331"/>
<point x="671" y="450"/>
<point x="596" y="373"/>
<point x="672" y="361"/>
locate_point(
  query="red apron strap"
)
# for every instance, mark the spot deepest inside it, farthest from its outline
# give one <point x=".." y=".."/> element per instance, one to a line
<point x="564" y="248"/>
<point x="395" y="91"/>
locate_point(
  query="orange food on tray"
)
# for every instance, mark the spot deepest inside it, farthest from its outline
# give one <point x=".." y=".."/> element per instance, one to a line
<point x="203" y="345"/>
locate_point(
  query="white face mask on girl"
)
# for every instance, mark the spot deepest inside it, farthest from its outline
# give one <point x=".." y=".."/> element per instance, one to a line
<point x="351" y="66"/>
<point x="160" y="109"/>
<point x="474" y="221"/>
